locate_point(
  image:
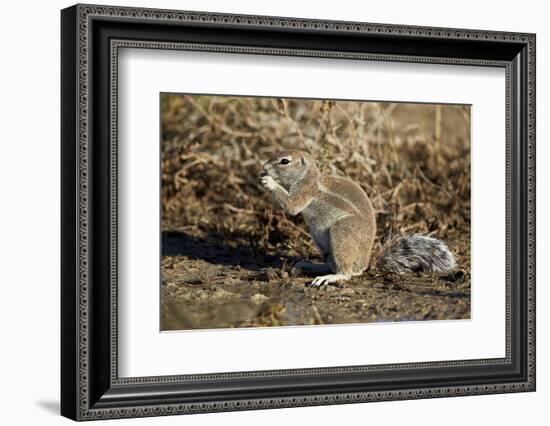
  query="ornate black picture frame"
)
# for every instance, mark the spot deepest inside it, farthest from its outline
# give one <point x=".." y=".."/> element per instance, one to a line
<point x="91" y="36"/>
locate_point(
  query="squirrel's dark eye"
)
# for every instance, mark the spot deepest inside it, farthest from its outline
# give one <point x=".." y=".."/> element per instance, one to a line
<point x="284" y="161"/>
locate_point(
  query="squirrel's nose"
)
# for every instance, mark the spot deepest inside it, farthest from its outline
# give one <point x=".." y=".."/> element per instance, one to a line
<point x="263" y="173"/>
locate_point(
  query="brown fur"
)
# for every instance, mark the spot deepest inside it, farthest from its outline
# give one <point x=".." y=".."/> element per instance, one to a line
<point x="339" y="214"/>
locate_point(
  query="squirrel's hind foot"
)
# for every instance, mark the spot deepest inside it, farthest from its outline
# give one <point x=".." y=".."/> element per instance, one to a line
<point x="328" y="279"/>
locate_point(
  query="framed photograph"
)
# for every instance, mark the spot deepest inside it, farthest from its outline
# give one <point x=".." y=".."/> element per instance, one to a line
<point x="263" y="212"/>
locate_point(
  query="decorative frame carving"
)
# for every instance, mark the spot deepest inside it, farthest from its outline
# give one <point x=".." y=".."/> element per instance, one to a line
<point x="86" y="397"/>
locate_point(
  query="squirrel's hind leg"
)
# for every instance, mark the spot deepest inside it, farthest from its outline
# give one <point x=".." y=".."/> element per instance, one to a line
<point x="350" y="247"/>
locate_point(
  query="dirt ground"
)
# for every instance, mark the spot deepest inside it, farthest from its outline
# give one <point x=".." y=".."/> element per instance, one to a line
<point x="232" y="285"/>
<point x="228" y="251"/>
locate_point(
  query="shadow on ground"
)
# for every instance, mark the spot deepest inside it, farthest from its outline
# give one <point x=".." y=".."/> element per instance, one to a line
<point x="220" y="249"/>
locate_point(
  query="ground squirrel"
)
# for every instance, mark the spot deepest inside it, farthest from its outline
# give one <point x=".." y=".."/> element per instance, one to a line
<point x="342" y="222"/>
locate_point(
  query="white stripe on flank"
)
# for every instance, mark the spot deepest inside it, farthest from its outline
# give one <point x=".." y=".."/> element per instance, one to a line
<point x="340" y="215"/>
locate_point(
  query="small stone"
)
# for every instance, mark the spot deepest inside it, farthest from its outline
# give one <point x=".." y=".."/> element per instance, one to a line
<point x="258" y="298"/>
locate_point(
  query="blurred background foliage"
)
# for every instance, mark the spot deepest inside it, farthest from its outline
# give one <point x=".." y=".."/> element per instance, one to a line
<point x="413" y="160"/>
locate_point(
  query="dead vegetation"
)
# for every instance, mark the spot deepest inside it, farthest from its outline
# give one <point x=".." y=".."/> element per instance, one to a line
<point x="228" y="250"/>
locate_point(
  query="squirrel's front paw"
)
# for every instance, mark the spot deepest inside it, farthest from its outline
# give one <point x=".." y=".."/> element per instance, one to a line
<point x="268" y="182"/>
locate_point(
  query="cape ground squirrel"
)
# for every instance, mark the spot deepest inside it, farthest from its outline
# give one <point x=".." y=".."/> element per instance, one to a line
<point x="342" y="223"/>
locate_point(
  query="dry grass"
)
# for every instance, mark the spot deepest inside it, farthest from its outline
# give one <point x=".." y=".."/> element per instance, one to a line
<point x="412" y="160"/>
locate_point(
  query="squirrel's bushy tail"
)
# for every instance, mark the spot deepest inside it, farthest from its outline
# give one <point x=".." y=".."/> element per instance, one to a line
<point x="415" y="253"/>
